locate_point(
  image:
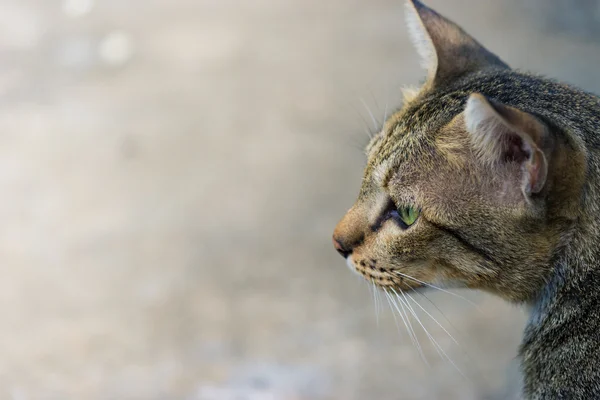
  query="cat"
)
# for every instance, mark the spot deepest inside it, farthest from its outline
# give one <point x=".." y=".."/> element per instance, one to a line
<point x="489" y="178"/>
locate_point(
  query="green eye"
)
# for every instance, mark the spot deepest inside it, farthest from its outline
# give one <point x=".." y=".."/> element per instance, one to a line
<point x="408" y="215"/>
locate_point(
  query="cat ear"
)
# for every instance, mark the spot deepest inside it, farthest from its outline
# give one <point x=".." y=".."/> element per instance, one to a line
<point x="446" y="50"/>
<point x="503" y="135"/>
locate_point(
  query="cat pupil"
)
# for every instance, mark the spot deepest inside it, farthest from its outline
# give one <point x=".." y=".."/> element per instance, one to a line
<point x="408" y="216"/>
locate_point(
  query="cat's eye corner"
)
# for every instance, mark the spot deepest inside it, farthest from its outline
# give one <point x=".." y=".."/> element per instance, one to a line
<point x="404" y="215"/>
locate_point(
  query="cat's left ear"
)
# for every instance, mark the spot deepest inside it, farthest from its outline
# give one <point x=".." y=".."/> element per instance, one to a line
<point x="504" y="136"/>
<point x="447" y="51"/>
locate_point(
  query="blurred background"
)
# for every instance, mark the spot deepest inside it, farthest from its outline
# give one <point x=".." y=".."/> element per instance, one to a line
<point x="170" y="176"/>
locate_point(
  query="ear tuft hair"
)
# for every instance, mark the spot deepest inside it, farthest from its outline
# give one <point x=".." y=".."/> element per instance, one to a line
<point x="502" y="135"/>
<point x="485" y="127"/>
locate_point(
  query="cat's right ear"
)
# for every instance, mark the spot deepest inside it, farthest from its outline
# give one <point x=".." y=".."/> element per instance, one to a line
<point x="446" y="51"/>
<point x="504" y="136"/>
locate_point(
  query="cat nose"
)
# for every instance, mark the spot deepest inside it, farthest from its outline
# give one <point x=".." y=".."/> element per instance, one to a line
<point x="350" y="231"/>
<point x="344" y="251"/>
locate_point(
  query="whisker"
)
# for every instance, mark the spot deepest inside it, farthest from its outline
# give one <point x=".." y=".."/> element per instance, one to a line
<point x="355" y="145"/>
<point x="437" y="308"/>
<point x="435" y="343"/>
<point x="431" y="316"/>
<point x="392" y="309"/>
<point x="439" y="288"/>
<point x="464" y="351"/>
<point x="365" y="123"/>
<point x="375" y="301"/>
<point x="375" y="125"/>
<point x="376" y="106"/>
<point x="401" y="314"/>
<point x="385" y="113"/>
<point x="368" y="286"/>
<point x="411" y="328"/>
<point x="379" y="297"/>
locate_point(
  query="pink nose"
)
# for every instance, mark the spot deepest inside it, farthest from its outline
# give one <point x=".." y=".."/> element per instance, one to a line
<point x="340" y="248"/>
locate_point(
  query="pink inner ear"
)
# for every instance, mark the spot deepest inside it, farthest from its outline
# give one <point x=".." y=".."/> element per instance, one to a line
<point x="516" y="149"/>
<point x="536" y="168"/>
<point x="503" y="134"/>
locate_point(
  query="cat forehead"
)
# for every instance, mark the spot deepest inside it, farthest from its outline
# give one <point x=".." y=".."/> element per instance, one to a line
<point x="408" y="143"/>
<point x="400" y="155"/>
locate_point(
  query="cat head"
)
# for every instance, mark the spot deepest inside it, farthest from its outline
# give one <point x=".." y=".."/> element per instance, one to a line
<point x="461" y="185"/>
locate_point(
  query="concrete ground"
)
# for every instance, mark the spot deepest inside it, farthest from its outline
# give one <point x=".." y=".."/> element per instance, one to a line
<point x="170" y="176"/>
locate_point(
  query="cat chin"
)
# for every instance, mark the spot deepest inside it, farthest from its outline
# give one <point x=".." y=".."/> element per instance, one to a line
<point x="350" y="265"/>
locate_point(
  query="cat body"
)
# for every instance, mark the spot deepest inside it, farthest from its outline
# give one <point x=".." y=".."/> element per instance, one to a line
<point x="489" y="178"/>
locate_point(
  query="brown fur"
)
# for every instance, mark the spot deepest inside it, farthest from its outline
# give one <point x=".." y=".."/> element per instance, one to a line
<point x="508" y="198"/>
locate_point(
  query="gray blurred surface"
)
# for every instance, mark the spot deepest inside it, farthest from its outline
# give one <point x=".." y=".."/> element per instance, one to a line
<point x="170" y="175"/>
<point x="576" y="17"/>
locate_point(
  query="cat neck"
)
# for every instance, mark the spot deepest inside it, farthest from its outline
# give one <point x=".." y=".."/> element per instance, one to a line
<point x="563" y="331"/>
<point x="575" y="273"/>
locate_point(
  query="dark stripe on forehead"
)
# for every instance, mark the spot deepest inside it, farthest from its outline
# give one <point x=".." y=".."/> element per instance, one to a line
<point x="422" y="120"/>
<point x="412" y="138"/>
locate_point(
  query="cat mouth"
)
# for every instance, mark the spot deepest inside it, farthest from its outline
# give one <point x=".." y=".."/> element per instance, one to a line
<point x="386" y="278"/>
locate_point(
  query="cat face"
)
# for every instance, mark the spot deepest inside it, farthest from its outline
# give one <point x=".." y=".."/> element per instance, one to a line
<point x="457" y="187"/>
<point x="431" y="212"/>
